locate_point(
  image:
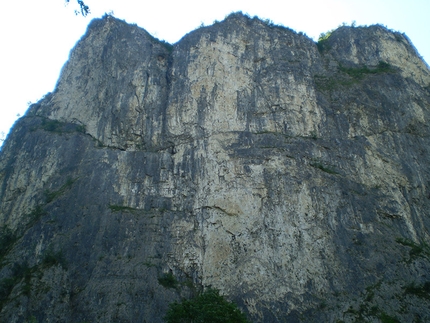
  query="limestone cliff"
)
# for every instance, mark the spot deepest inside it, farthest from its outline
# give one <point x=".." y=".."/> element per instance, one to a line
<point x="290" y="175"/>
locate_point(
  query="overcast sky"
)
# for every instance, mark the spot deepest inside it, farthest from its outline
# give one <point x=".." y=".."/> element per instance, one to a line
<point x="37" y="36"/>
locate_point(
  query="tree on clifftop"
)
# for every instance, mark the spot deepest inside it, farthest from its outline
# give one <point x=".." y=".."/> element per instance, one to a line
<point x="84" y="9"/>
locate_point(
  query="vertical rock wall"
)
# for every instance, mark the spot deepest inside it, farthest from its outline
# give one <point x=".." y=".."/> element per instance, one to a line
<point x="293" y="178"/>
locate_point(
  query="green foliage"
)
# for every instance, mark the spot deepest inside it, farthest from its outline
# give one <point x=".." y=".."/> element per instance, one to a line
<point x="398" y="37"/>
<point x="366" y="311"/>
<point x="127" y="209"/>
<point x="385" y="318"/>
<point x="369" y="305"/>
<point x="60" y="127"/>
<point x="314" y="135"/>
<point x="325" y="36"/>
<point x="19" y="272"/>
<point x="269" y="22"/>
<point x="322" y="43"/>
<point x="6" y="287"/>
<point x="322" y="39"/>
<point x="359" y="73"/>
<point x="121" y="208"/>
<point x="166" y="45"/>
<point x="209" y="307"/>
<point x="52" y="258"/>
<point x="31" y="319"/>
<point x="81" y="128"/>
<point x="7" y="239"/>
<point x="149" y="264"/>
<point x="347" y="76"/>
<point x="323" y="168"/>
<point x="51" y="125"/>
<point x="22" y="272"/>
<point x="36" y="214"/>
<point x="419" y="291"/>
<point x="168" y="281"/>
<point x="417" y="250"/>
<point x="323" y="83"/>
<point x="370" y="291"/>
<point x="272" y="25"/>
<point x="52" y="195"/>
<point x="39" y="210"/>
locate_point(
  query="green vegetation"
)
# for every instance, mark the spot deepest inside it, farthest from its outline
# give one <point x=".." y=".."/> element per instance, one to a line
<point x="359" y="73"/>
<point x="370" y="291"/>
<point x="81" y="128"/>
<point x="52" y="195"/>
<point x="23" y="272"/>
<point x="417" y="250"/>
<point x="371" y="306"/>
<point x="385" y="318"/>
<point x="51" y="125"/>
<point x="7" y="240"/>
<point x="422" y="291"/>
<point x="268" y="22"/>
<point x="348" y="76"/>
<point x="31" y="319"/>
<point x="323" y="168"/>
<point x="39" y="210"/>
<point x="166" y="45"/>
<point x="153" y="212"/>
<point x="20" y="273"/>
<point x="149" y="264"/>
<point x="6" y="287"/>
<point x="365" y="311"/>
<point x="168" y="281"/>
<point x="36" y="214"/>
<point x="121" y="208"/>
<point x="206" y="307"/>
<point x="323" y="38"/>
<point x="322" y="43"/>
<point x="314" y="135"/>
<point x="209" y="307"/>
<point x="398" y="37"/>
<point x="60" y="127"/>
<point x="51" y="258"/>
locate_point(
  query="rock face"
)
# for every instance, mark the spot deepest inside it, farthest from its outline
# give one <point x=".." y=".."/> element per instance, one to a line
<point x="292" y="176"/>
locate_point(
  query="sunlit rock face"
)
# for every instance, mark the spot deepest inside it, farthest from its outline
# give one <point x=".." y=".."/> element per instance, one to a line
<point x="292" y="177"/>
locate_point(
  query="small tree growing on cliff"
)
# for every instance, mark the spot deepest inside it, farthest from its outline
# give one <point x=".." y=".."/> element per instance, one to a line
<point x="209" y="307"/>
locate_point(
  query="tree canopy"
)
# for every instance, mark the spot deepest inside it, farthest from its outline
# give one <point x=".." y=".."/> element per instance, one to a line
<point x="209" y="307"/>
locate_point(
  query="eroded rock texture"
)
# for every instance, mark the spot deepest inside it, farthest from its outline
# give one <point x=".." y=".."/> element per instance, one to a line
<point x="292" y="177"/>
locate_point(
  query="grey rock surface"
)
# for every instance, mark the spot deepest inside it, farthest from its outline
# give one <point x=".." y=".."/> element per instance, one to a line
<point x="291" y="176"/>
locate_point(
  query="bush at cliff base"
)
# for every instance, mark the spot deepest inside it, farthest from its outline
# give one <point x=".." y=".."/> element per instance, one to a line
<point x="209" y="307"/>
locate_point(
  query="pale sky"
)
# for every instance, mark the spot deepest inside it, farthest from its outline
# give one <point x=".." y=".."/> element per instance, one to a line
<point x="37" y="36"/>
